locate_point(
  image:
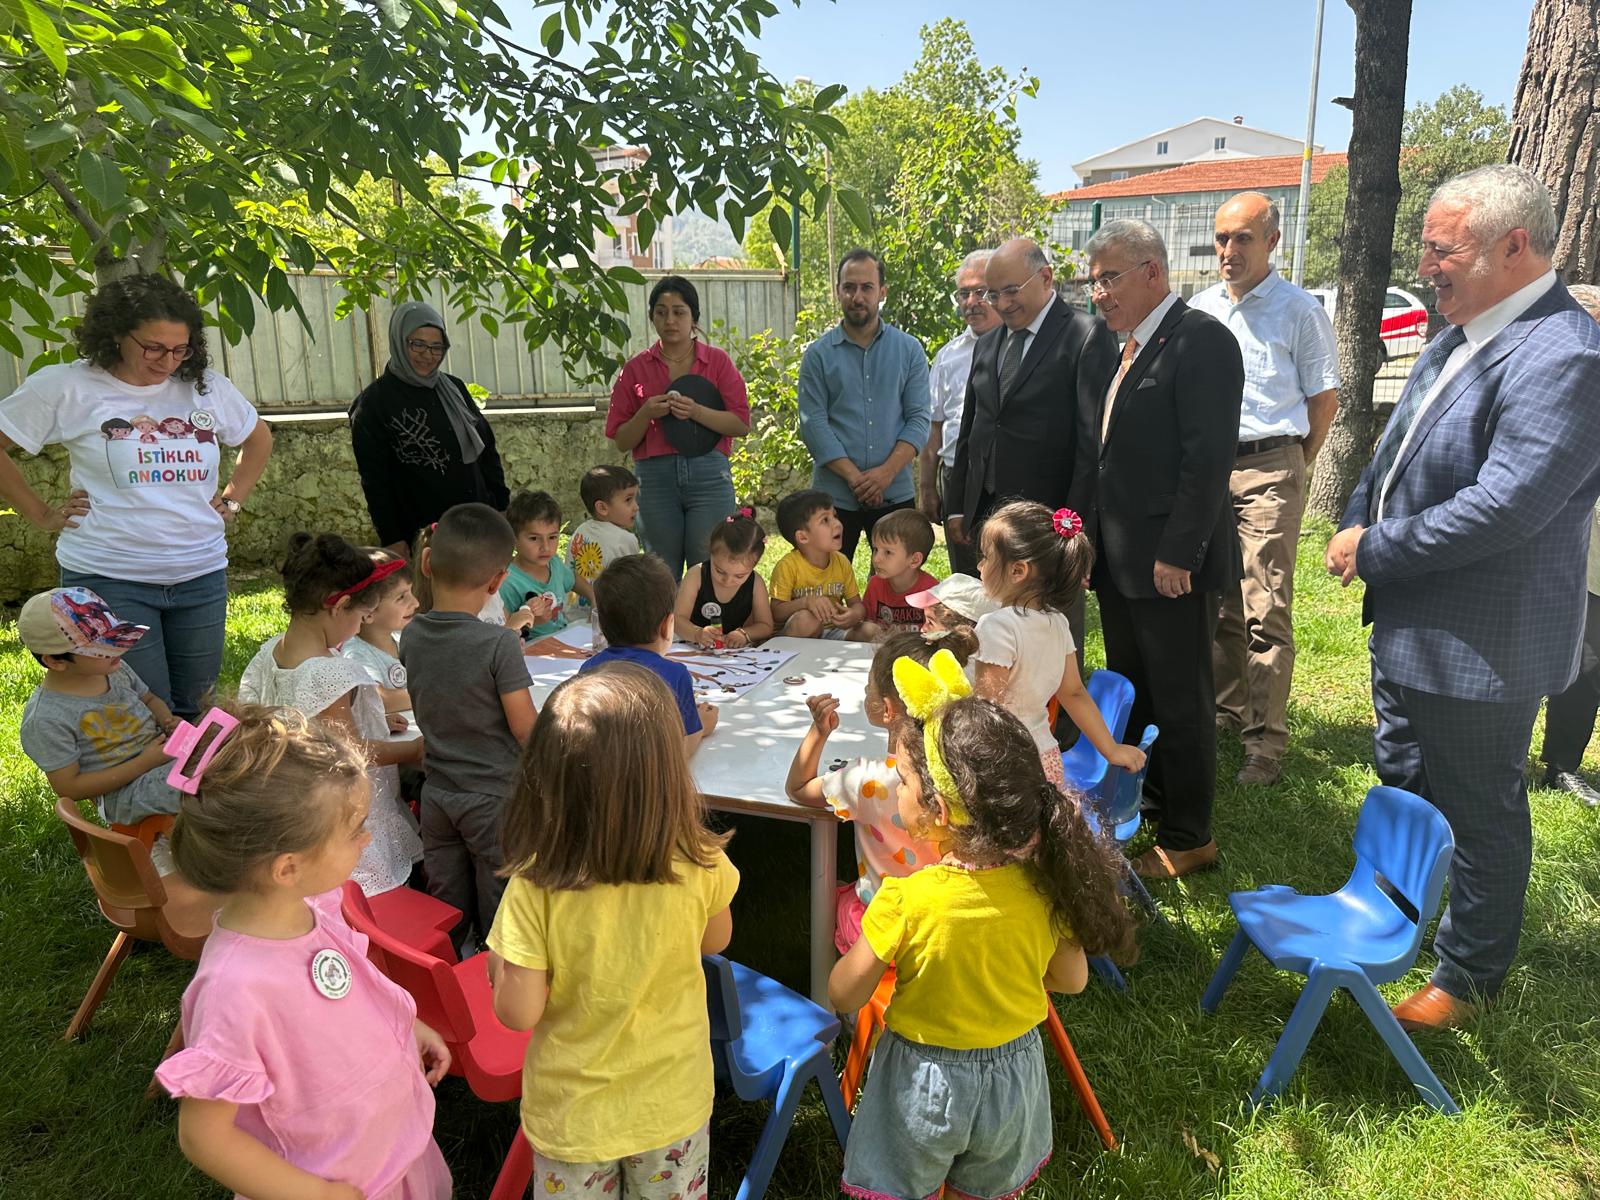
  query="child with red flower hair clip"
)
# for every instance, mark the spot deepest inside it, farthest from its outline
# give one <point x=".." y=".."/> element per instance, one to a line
<point x="864" y="791"/>
<point x="1033" y="563"/>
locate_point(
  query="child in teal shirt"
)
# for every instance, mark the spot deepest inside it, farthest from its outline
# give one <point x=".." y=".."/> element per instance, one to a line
<point x="537" y="577"/>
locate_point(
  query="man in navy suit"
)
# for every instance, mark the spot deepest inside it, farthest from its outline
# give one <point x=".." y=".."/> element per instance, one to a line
<point x="1470" y="528"/>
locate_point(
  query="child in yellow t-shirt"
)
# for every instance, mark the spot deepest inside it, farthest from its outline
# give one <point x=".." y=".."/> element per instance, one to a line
<point x="617" y="888"/>
<point x="813" y="587"/>
<point x="1022" y="891"/>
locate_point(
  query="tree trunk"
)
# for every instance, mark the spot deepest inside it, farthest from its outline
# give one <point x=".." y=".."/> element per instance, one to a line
<point x="1555" y="125"/>
<point x="1383" y="34"/>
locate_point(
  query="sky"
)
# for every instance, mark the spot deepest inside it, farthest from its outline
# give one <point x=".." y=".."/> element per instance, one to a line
<point x="1113" y="72"/>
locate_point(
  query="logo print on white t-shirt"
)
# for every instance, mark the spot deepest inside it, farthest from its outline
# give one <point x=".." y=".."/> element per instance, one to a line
<point x="147" y="452"/>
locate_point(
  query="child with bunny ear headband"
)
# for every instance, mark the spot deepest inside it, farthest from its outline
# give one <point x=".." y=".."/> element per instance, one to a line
<point x="1021" y="893"/>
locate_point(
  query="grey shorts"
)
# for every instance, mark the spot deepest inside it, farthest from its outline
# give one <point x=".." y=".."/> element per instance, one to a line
<point x="977" y="1120"/>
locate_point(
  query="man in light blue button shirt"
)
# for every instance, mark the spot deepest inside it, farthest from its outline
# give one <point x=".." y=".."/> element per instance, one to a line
<point x="863" y="404"/>
<point x="1291" y="392"/>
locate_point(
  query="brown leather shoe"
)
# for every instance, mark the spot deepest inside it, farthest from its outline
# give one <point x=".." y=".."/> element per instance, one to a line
<point x="1433" y="1008"/>
<point x="1260" y="771"/>
<point x="1156" y="863"/>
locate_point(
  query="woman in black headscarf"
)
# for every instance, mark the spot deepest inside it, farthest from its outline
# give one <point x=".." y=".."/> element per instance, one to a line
<point x="421" y="444"/>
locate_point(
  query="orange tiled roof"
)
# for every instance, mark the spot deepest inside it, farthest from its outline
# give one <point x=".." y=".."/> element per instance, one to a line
<point x="1216" y="175"/>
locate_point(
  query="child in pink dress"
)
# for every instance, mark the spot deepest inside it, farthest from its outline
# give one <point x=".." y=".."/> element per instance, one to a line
<point x="305" y="1072"/>
<point x="863" y="791"/>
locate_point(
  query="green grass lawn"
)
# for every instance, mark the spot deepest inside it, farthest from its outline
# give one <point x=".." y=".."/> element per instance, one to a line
<point x="1173" y="1083"/>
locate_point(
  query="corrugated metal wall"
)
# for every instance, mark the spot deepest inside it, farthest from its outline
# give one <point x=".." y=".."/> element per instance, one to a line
<point x="283" y="369"/>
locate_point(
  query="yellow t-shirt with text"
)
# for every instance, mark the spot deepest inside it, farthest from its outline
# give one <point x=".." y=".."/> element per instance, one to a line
<point x="620" y="1062"/>
<point x="969" y="948"/>
<point x="794" y="578"/>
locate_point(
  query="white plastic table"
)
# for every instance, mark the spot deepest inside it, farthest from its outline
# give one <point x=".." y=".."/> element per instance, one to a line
<point x="742" y="766"/>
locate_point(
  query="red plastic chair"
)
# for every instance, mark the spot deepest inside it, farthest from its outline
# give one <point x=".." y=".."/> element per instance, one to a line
<point x="869" y="1023"/>
<point x="453" y="998"/>
<point x="413" y="917"/>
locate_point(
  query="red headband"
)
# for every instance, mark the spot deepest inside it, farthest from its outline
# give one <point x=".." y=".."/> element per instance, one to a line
<point x="382" y="571"/>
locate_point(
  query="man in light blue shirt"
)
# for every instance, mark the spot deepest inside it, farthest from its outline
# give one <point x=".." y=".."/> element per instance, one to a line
<point x="863" y="397"/>
<point x="1291" y="392"/>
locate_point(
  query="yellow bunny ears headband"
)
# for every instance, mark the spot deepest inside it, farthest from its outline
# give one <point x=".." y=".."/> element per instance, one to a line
<point x="925" y="690"/>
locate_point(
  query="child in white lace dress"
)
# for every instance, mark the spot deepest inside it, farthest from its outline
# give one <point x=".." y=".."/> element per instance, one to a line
<point x="328" y="589"/>
<point x="864" y="791"/>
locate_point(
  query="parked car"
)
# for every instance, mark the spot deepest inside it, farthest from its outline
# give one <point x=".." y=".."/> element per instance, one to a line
<point x="1404" y="328"/>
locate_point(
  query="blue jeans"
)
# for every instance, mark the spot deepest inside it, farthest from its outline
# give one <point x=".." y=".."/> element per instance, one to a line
<point x="181" y="657"/>
<point x="681" y="500"/>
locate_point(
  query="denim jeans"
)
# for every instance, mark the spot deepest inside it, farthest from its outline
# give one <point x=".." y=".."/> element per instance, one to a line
<point x="681" y="500"/>
<point x="181" y="657"/>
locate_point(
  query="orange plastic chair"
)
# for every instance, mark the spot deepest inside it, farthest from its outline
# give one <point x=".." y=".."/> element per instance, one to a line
<point x="415" y="918"/>
<point x="869" y="1023"/>
<point x="132" y="897"/>
<point x="146" y="832"/>
<point x="453" y="998"/>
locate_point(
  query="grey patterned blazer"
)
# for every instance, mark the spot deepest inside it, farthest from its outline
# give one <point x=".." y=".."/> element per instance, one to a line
<point x="1475" y="576"/>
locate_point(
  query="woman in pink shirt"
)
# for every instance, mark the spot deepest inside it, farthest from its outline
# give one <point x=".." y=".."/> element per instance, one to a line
<point x="680" y="445"/>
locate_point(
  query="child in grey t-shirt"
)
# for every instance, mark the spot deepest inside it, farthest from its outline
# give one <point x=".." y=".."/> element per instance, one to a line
<point x="92" y="725"/>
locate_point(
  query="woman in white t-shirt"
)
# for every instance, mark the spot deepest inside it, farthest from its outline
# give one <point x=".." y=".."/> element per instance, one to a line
<point x="144" y="420"/>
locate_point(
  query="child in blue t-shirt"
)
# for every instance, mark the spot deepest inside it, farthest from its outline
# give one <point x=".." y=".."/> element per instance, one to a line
<point x="634" y="599"/>
<point x="538" y="578"/>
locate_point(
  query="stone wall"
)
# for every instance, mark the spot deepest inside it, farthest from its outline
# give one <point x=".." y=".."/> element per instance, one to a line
<point x="311" y="483"/>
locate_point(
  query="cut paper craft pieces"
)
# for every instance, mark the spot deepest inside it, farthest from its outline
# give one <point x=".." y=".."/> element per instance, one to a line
<point x="727" y="674"/>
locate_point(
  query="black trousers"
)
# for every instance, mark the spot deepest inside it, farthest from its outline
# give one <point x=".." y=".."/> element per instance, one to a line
<point x="858" y="521"/>
<point x="1163" y="647"/>
<point x="1569" y="717"/>
<point x="964" y="557"/>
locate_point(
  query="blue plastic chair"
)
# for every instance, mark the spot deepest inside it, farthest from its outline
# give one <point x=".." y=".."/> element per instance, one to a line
<point x="1084" y="766"/>
<point x="768" y="1042"/>
<point x="1357" y="938"/>
<point x="1121" y="818"/>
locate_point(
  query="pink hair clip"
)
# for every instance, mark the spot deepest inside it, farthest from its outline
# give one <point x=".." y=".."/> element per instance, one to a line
<point x="1067" y="523"/>
<point x="181" y="743"/>
<point x="745" y="511"/>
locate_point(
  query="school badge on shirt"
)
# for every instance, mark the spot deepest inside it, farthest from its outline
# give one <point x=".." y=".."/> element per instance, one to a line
<point x="330" y="972"/>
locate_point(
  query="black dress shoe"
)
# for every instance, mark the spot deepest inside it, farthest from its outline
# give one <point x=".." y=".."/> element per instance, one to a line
<point x="1575" y="784"/>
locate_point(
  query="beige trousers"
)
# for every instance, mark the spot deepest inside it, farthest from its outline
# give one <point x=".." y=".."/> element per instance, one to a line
<point x="1253" y="656"/>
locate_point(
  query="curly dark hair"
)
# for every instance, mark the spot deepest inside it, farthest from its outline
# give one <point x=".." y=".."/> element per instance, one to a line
<point x="122" y="305"/>
<point x="1018" y="814"/>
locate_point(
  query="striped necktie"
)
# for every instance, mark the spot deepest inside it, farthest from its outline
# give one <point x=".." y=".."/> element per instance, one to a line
<point x="1405" y="412"/>
<point x="1130" y="351"/>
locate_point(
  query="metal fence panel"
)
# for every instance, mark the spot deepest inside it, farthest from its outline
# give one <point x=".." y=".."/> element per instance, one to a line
<point x="284" y="369"/>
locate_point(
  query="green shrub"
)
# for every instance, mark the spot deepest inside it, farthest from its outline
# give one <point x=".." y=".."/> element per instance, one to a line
<point x="765" y="462"/>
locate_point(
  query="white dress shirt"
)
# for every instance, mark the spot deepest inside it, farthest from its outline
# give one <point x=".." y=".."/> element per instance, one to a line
<point x="947" y="389"/>
<point x="1478" y="331"/>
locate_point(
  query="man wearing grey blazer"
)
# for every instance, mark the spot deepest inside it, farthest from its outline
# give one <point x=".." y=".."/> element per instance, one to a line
<point x="1469" y="528"/>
